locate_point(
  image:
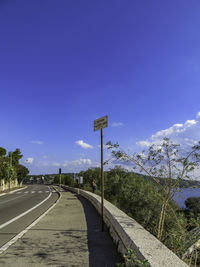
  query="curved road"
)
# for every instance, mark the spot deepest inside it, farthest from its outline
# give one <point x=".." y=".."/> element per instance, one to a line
<point x="17" y="209"/>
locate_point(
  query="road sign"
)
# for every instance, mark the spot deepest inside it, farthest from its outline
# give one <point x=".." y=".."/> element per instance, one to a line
<point x="101" y="123"/>
<point x="80" y="180"/>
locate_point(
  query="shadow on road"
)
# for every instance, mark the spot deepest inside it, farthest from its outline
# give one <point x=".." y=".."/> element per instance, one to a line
<point x="51" y="244"/>
<point x="102" y="251"/>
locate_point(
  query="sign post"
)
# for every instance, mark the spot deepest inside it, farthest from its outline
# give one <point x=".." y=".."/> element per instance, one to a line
<point x="100" y="124"/>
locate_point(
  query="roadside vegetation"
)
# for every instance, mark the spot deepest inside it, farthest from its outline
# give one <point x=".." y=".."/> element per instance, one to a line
<point x="141" y="199"/>
<point x="150" y="201"/>
<point x="66" y="179"/>
<point x="10" y="168"/>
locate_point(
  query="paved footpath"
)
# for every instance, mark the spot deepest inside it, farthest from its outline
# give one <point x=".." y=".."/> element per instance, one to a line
<point x="69" y="235"/>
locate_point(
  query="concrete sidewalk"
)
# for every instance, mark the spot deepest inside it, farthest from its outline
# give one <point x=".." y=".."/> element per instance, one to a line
<point x="69" y="235"/>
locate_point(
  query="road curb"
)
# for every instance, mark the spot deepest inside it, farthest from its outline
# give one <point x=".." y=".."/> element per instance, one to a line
<point x="14" y="239"/>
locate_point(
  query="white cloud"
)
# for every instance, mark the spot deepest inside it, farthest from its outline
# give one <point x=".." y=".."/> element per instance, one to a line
<point x="83" y="144"/>
<point x="67" y="166"/>
<point x="42" y="163"/>
<point x="176" y="128"/>
<point x="187" y="133"/>
<point x="56" y="164"/>
<point x="117" y="124"/>
<point x="78" y="162"/>
<point x="144" y="143"/>
<point x="29" y="160"/>
<point x="198" y="115"/>
<point x="37" y="142"/>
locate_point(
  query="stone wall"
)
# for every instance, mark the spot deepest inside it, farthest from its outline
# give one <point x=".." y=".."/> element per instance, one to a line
<point x="6" y="185"/>
<point x="128" y="234"/>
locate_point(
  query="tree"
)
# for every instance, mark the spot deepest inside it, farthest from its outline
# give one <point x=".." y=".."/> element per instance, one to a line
<point x="68" y="180"/>
<point x="139" y="199"/>
<point x="10" y="167"/>
<point x="165" y="161"/>
<point x="193" y="204"/>
<point x="4" y="166"/>
<point x="3" y="163"/>
<point x="16" y="156"/>
<point x="2" y="152"/>
<point x="90" y="175"/>
<point x="21" y="172"/>
<point x="58" y="179"/>
<point x="113" y="183"/>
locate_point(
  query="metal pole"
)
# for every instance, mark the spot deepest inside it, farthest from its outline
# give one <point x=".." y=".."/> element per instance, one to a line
<point x="60" y="178"/>
<point x="9" y="172"/>
<point x="9" y="178"/>
<point x="102" y="180"/>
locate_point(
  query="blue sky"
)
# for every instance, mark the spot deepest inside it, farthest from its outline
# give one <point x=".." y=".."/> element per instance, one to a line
<point x="65" y="63"/>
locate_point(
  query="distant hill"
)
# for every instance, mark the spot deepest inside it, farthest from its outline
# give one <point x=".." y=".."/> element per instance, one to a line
<point x="183" y="183"/>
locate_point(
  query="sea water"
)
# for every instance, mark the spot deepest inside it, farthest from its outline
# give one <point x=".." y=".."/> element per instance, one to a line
<point x="185" y="193"/>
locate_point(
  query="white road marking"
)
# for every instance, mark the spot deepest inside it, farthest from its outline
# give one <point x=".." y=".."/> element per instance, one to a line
<point x="14" y="239"/>
<point x="32" y="192"/>
<point x="3" y="194"/>
<point x="24" y="213"/>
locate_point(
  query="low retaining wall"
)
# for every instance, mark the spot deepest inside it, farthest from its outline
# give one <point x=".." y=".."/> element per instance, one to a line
<point x="6" y="185"/>
<point x="128" y="234"/>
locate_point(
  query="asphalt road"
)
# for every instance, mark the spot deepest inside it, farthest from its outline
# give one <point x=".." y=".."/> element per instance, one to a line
<point x="13" y="205"/>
